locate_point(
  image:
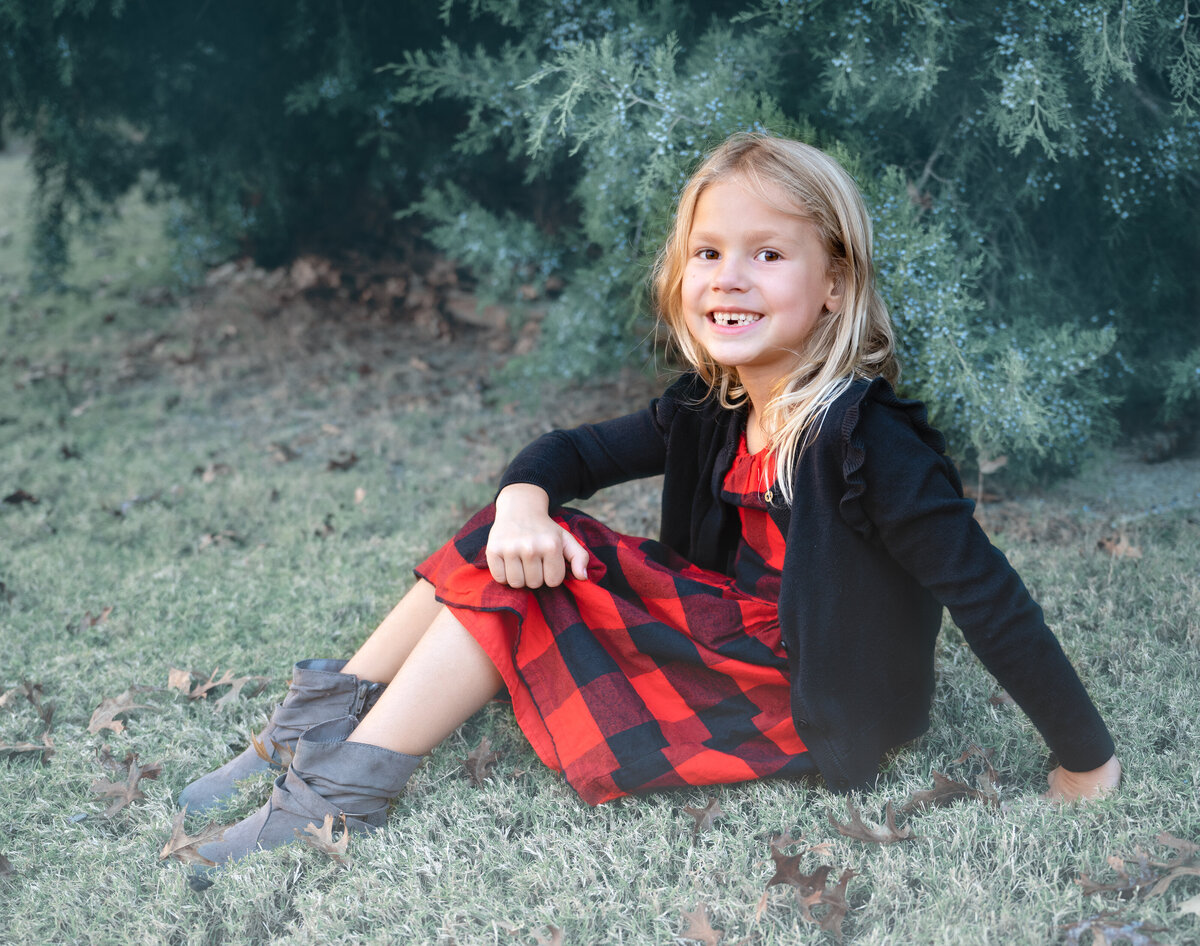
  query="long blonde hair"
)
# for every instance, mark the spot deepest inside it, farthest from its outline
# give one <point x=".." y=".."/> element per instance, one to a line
<point x="854" y="342"/>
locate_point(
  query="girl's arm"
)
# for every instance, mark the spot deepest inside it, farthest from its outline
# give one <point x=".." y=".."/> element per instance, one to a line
<point x="913" y="500"/>
<point x="528" y="549"/>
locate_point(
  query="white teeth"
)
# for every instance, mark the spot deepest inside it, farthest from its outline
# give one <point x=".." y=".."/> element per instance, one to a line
<point x="735" y="318"/>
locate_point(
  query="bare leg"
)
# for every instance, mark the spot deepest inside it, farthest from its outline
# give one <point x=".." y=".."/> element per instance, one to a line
<point x="445" y="679"/>
<point x="389" y="645"/>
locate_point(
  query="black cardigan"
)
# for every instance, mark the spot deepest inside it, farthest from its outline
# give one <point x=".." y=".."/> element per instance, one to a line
<point x="879" y="538"/>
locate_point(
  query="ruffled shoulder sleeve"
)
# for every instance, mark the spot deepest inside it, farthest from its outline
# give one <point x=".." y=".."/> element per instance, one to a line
<point x="901" y="417"/>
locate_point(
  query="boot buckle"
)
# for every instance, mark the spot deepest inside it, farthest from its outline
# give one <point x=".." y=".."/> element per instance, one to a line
<point x="366" y="695"/>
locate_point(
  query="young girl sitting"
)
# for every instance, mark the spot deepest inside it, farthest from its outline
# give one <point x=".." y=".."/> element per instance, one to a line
<point x="784" y="625"/>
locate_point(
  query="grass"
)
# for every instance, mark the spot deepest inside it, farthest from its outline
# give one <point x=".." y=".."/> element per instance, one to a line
<point x="115" y="403"/>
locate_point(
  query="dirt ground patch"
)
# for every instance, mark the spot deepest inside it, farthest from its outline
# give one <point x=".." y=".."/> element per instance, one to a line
<point x="261" y="349"/>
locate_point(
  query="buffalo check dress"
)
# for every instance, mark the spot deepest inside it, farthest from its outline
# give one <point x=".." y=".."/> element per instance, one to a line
<point x="653" y="672"/>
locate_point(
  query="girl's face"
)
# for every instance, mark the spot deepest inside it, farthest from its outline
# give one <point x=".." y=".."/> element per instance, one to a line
<point x="755" y="282"/>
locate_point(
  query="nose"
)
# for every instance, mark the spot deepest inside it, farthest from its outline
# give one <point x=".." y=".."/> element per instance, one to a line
<point x="729" y="275"/>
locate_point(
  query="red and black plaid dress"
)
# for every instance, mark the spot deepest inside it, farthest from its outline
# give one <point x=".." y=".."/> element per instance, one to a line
<point x="653" y="672"/>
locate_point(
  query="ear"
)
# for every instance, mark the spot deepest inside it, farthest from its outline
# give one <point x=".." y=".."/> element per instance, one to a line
<point x="836" y="293"/>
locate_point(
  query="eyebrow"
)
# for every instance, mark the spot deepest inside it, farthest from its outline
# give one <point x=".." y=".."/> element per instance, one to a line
<point x="756" y="236"/>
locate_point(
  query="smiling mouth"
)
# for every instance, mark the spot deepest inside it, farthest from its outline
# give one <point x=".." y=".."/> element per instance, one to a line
<point x="735" y="318"/>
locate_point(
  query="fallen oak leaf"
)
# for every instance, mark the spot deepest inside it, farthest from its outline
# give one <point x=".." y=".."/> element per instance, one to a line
<point x="46" y="748"/>
<point x="182" y="846"/>
<point x="282" y="754"/>
<point x="200" y="691"/>
<point x="704" y="817"/>
<point x="105" y="757"/>
<point x="127" y="792"/>
<point x="1126" y="886"/>
<point x="835" y="899"/>
<point x="479" y="762"/>
<point x="945" y="792"/>
<point x="322" y="839"/>
<point x="859" y="831"/>
<point x="1190" y="906"/>
<point x="180" y="680"/>
<point x="787" y="870"/>
<point x="104" y="716"/>
<point x="236" y="686"/>
<point x="556" y="936"/>
<point x="699" y="928"/>
<point x="87" y="622"/>
<point x="342" y="462"/>
<point x="1119" y="546"/>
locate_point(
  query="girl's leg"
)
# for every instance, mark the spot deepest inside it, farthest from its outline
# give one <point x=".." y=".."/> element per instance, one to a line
<point x="389" y="645"/>
<point x="446" y="678"/>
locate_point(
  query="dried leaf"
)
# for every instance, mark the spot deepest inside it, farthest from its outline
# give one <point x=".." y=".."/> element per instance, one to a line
<point x="127" y="792"/>
<point x="237" y="685"/>
<point x="1002" y="699"/>
<point x="6" y="869"/>
<point x="342" y="462"/>
<point x="479" y="762"/>
<point x="20" y="496"/>
<point x="182" y="846"/>
<point x="1126" y="886"/>
<point x="1190" y="906"/>
<point x="360" y="495"/>
<point x="1109" y="928"/>
<point x="859" y="831"/>
<point x="87" y="622"/>
<point x="705" y="816"/>
<point x="105" y="714"/>
<point x="209" y="473"/>
<point x="180" y="680"/>
<point x="556" y="936"/>
<point x="698" y="927"/>
<point x="282" y="754"/>
<point x="1119" y="546"/>
<point x="945" y="791"/>
<point x="322" y="839"/>
<point x="45" y="748"/>
<point x="787" y="869"/>
<point x="109" y="761"/>
<point x="219" y="538"/>
<point x="1153" y="878"/>
<point x="282" y="453"/>
<point x="200" y="691"/>
<point x="835" y="899"/>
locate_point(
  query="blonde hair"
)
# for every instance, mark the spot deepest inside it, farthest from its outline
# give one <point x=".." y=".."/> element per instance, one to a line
<point x="854" y="342"/>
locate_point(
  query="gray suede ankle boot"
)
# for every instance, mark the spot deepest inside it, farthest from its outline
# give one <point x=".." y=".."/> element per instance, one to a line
<point x="328" y="776"/>
<point x="319" y="691"/>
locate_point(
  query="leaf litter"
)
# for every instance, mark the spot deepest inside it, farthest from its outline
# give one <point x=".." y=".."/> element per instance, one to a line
<point x="322" y="839"/>
<point x="127" y="792"/>
<point x="32" y="692"/>
<point x="889" y="834"/>
<point x="182" y="846"/>
<point x="1149" y="878"/>
<point x="105" y="715"/>
<point x="704" y="817"/>
<point x="479" y="762"/>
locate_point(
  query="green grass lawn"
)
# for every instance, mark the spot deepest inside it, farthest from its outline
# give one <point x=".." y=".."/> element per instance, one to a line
<point x="245" y="483"/>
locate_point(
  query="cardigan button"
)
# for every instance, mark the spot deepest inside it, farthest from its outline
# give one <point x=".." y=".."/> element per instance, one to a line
<point x="802" y="724"/>
<point x="843" y="782"/>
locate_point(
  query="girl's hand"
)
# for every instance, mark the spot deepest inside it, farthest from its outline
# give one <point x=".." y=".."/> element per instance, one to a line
<point x="1080" y="786"/>
<point x="528" y="549"/>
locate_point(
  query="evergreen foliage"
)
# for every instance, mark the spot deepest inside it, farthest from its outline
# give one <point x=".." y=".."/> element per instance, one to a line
<point x="1032" y="166"/>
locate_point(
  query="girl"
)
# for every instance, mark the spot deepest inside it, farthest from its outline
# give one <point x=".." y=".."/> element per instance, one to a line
<point x="784" y="625"/>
